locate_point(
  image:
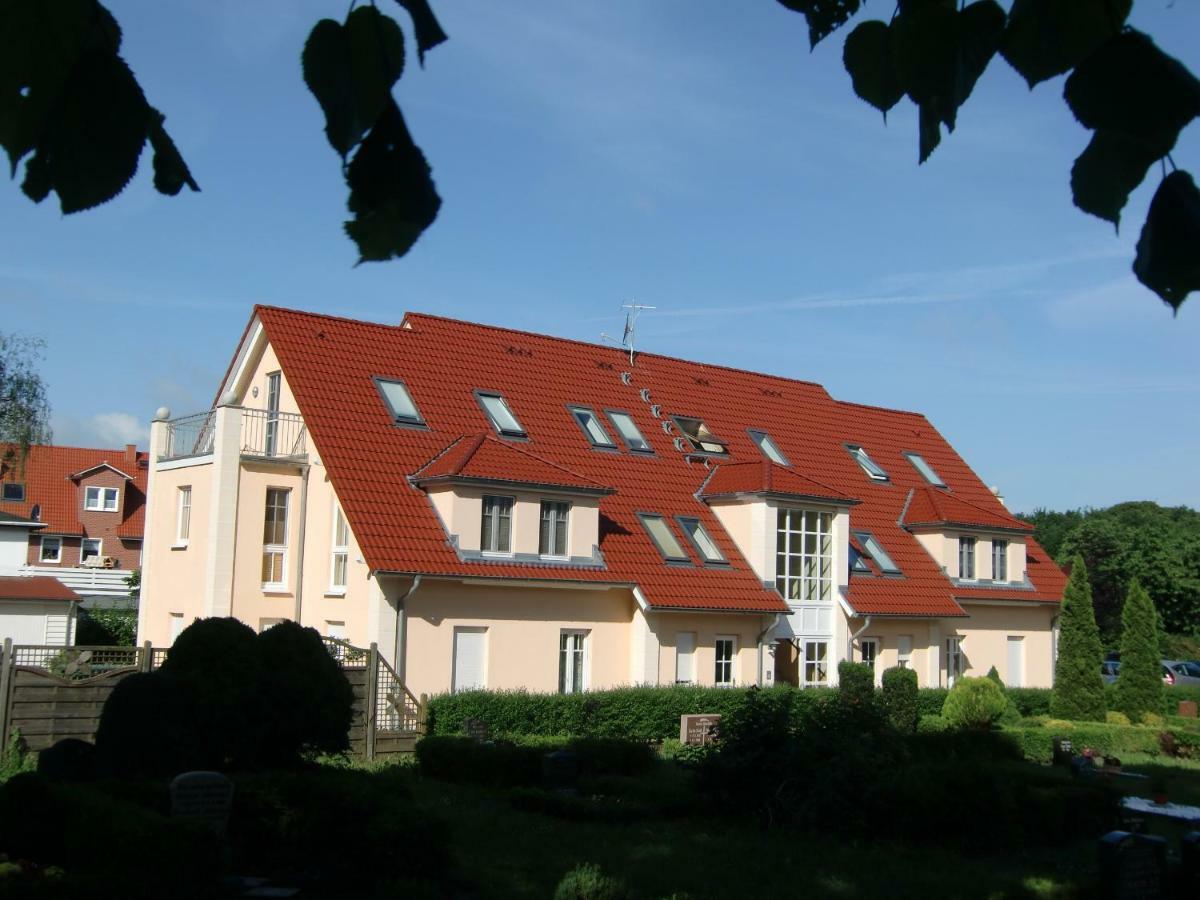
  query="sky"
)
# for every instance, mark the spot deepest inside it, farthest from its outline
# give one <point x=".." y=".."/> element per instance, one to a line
<point x="690" y="155"/>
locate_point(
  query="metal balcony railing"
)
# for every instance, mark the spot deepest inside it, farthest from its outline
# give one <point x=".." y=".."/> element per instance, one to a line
<point x="189" y="436"/>
<point x="273" y="434"/>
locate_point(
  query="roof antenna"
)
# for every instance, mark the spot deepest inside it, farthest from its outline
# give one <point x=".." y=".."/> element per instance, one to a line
<point x="627" y="337"/>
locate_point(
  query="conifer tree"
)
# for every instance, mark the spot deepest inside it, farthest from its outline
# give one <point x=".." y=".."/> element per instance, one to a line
<point x="1078" y="688"/>
<point x="1139" y="680"/>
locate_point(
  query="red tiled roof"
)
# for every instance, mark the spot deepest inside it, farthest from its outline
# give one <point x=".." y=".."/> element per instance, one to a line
<point x="329" y="364"/>
<point x="480" y="457"/>
<point x="766" y="477"/>
<point x="934" y="507"/>
<point x="47" y="476"/>
<point x="38" y="587"/>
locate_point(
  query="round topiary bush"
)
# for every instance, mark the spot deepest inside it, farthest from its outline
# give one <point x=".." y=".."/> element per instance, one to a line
<point x="900" y="698"/>
<point x="975" y="703"/>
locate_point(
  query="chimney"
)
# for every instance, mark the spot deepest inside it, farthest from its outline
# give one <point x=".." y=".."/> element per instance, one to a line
<point x="131" y="455"/>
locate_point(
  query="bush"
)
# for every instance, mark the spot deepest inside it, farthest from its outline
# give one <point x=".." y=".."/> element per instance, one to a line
<point x="1030" y="701"/>
<point x="1107" y="740"/>
<point x="975" y="703"/>
<point x="15" y="758"/>
<point x="106" y="627"/>
<point x="856" y="683"/>
<point x="932" y="725"/>
<point x="1078" y="688"/>
<point x="1116" y="718"/>
<point x="1139" y="680"/>
<point x="145" y="728"/>
<point x="899" y="698"/>
<point x="1153" y="720"/>
<point x="931" y="700"/>
<point x="587" y="882"/>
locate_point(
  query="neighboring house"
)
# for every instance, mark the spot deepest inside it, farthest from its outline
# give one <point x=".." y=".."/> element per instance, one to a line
<point x="79" y="512"/>
<point x="37" y="610"/>
<point x="501" y="509"/>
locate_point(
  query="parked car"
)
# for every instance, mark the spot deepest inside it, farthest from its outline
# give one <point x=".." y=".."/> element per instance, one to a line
<point x="1182" y="672"/>
<point x="1109" y="669"/>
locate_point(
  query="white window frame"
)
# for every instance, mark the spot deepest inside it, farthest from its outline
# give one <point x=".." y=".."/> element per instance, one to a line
<point x="339" y="552"/>
<point x="8" y="485"/>
<point x="819" y="664"/>
<point x="183" y="515"/>
<point x="768" y="447"/>
<point x="659" y="539"/>
<point x="399" y="403"/>
<point x="101" y="503"/>
<point x="555" y="529"/>
<point x="177" y="625"/>
<point x="1000" y="553"/>
<point x="99" y="542"/>
<point x="794" y="570"/>
<point x="335" y="629"/>
<point x="54" y="538"/>
<point x="593" y="428"/>
<point x="966" y="553"/>
<point x="876" y="644"/>
<point x="273" y="549"/>
<point x="634" y="440"/>
<point x="483" y="661"/>
<point x="873" y="470"/>
<point x="690" y="656"/>
<point x="725" y="668"/>
<point x="875" y="550"/>
<point x="496" y="414"/>
<point x="955" y="663"/>
<point x="924" y="469"/>
<point x="566" y="658"/>
<point x="271" y="423"/>
<point x="495" y="549"/>
<point x="702" y="542"/>
<point x="904" y="649"/>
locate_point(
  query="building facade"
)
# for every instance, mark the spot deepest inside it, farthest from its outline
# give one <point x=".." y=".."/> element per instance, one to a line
<point x="501" y="509"/>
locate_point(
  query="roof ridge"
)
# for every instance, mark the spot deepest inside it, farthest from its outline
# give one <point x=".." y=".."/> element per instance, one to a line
<point x="450" y="446"/>
<point x="538" y="457"/>
<point x="933" y="496"/>
<point x="33" y="447"/>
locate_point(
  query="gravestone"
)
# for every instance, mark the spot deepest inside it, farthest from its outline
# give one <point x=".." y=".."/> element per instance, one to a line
<point x="560" y="771"/>
<point x="477" y="730"/>
<point x="1133" y="866"/>
<point x="699" y="730"/>
<point x="1187" y="709"/>
<point x="202" y="797"/>
<point x="1063" y="751"/>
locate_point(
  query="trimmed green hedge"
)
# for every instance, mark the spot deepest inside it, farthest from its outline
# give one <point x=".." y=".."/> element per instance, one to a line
<point x="1105" y="739"/>
<point x="513" y="763"/>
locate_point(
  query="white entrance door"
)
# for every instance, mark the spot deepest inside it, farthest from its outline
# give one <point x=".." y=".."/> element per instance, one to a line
<point x="469" y="671"/>
<point x="1016" y="662"/>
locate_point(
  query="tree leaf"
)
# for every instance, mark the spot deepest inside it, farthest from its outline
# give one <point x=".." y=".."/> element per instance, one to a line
<point x="1131" y="86"/>
<point x="823" y="16"/>
<point x="867" y="56"/>
<point x="1107" y="172"/>
<point x="980" y="30"/>
<point x="329" y="76"/>
<point x="170" y="171"/>
<point x="1167" y="260"/>
<point x="1045" y="38"/>
<point x="376" y="60"/>
<point x="930" y="131"/>
<point x="927" y="58"/>
<point x="392" y="195"/>
<point x="88" y="150"/>
<point x="425" y="24"/>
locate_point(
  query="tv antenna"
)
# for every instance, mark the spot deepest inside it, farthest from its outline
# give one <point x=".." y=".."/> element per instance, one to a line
<point x="633" y="310"/>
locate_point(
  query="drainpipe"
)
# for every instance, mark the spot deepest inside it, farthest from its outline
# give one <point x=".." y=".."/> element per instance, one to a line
<point x="774" y="622"/>
<point x="854" y="637"/>
<point x="300" y="539"/>
<point x="1053" y="646"/>
<point x="402" y="628"/>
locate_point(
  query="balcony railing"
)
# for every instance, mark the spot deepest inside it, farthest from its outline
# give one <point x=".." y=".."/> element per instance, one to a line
<point x="266" y="434"/>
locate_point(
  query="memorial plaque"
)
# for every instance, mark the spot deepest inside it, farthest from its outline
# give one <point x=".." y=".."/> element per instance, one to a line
<point x="1063" y="751"/>
<point x="1187" y="709"/>
<point x="699" y="730"/>
<point x="203" y="797"/>
<point x="1133" y="866"/>
<point x="477" y="729"/>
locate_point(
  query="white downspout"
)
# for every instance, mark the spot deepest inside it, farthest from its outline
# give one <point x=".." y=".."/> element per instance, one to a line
<point x="774" y="622"/>
<point x="402" y="628"/>
<point x="854" y="637"/>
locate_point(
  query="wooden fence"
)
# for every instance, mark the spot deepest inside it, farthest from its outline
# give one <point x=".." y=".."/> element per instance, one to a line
<point x="51" y="693"/>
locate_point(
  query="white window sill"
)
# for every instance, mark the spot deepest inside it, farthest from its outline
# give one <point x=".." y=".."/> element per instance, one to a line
<point x="335" y="592"/>
<point x="553" y="558"/>
<point x="276" y="590"/>
<point x="497" y="554"/>
<point x="181" y="545"/>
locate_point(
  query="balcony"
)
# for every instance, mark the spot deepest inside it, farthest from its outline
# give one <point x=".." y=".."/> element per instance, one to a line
<point x="265" y="434"/>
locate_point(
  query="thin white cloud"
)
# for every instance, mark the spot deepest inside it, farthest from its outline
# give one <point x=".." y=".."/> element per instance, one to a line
<point x="106" y="429"/>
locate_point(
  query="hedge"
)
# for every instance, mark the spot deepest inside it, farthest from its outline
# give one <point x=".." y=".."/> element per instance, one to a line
<point x="1105" y="739"/>
<point x="510" y="764"/>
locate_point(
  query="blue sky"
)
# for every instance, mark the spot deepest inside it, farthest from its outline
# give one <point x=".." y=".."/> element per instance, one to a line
<point x="689" y="155"/>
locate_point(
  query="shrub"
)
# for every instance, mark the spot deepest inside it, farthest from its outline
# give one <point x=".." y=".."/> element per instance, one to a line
<point x="993" y="675"/>
<point x="975" y="703"/>
<point x="1139" y="680"/>
<point x="68" y="760"/>
<point x="145" y="728"/>
<point x="931" y="700"/>
<point x="932" y="724"/>
<point x="588" y="882"/>
<point x="1116" y="718"/>
<point x="899" y="698"/>
<point x="106" y="627"/>
<point x="1153" y="720"/>
<point x="856" y="684"/>
<point x="1030" y="701"/>
<point x="1078" y="687"/>
<point x="15" y="758"/>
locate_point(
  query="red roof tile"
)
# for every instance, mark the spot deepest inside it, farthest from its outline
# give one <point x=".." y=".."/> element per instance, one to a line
<point x="766" y="477"/>
<point x="481" y="457"/>
<point x="47" y="475"/>
<point x="930" y="506"/>
<point x="329" y="364"/>
<point x="38" y="587"/>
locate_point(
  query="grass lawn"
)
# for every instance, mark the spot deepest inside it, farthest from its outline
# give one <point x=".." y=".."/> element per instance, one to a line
<point x="510" y="853"/>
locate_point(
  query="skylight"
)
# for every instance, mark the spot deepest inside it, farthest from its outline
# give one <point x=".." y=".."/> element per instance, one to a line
<point x="701" y="540"/>
<point x="628" y="431"/>
<point x="592" y="427"/>
<point x="875" y="550"/>
<point x="664" y="539"/>
<point x="700" y="435"/>
<point x="868" y="465"/>
<point x="768" y="448"/>
<point x="501" y="416"/>
<point x="925" y="469"/>
<point x="399" y="401"/>
<point x="858" y="562"/>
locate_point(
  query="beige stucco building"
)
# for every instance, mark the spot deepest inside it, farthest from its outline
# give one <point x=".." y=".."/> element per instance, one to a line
<point x="506" y="510"/>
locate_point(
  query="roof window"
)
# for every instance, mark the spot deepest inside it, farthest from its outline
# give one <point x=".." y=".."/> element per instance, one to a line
<point x="592" y="427"/>
<point x="664" y="539"/>
<point x="872" y="468"/>
<point x="925" y="469"/>
<point x="625" y="426"/>
<point x="399" y="402"/>
<point x="768" y="448"/>
<point x="700" y="435"/>
<point x="501" y="416"/>
<point x="875" y="550"/>
<point x="701" y="540"/>
<point x="14" y="491"/>
<point x="858" y="562"/>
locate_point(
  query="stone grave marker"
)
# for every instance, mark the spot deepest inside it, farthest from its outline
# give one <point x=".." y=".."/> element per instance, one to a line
<point x="1063" y="751"/>
<point x="477" y="730"/>
<point x="1187" y="709"/>
<point x="1133" y="866"/>
<point x="203" y="797"/>
<point x="699" y="730"/>
<point x="560" y="771"/>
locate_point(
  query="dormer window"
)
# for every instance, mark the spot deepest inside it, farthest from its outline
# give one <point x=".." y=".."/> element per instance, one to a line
<point x="664" y="539"/>
<point x="874" y="549"/>
<point x="768" y="448"/>
<point x="874" y="471"/>
<point x="703" y="543"/>
<point x="496" y="534"/>
<point x="700" y="435"/>
<point x="625" y="426"/>
<point x="925" y="469"/>
<point x="101" y="499"/>
<point x="592" y="427"/>
<point x="500" y="415"/>
<point x="966" y="558"/>
<point x="13" y="491"/>
<point x="399" y="402"/>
